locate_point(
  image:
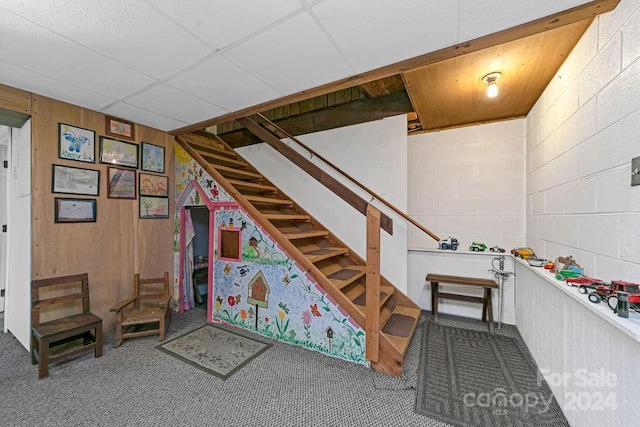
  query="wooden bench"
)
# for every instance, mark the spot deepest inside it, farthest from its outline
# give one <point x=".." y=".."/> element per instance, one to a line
<point x="61" y="331"/>
<point x="486" y="284"/>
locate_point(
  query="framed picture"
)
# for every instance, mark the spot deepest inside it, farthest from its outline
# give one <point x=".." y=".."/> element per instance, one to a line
<point x="118" y="153"/>
<point x="120" y="128"/>
<point x="153" y="185"/>
<point x="76" y="143"/>
<point x="121" y="183"/>
<point x="69" y="180"/>
<point x="152" y="158"/>
<point x="74" y="210"/>
<point x="154" y="207"/>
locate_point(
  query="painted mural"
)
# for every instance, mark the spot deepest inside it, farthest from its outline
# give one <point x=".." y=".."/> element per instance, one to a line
<point x="260" y="288"/>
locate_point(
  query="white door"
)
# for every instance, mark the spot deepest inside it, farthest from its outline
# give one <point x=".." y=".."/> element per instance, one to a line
<point x="17" y="317"/>
<point x="4" y="202"/>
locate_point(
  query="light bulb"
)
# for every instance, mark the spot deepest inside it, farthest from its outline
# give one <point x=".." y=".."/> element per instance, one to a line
<point x="492" y="89"/>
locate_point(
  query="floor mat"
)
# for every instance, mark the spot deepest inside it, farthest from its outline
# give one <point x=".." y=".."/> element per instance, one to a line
<point x="471" y="378"/>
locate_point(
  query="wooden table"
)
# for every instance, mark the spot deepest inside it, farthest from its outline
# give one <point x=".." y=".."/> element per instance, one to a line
<point x="486" y="284"/>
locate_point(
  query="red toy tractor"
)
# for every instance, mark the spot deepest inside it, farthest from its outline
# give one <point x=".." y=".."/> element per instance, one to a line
<point x="608" y="293"/>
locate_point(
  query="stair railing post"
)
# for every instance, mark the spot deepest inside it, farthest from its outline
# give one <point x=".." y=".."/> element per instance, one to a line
<point x="372" y="314"/>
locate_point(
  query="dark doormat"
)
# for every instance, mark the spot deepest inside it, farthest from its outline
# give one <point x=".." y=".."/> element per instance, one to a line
<point x="473" y="378"/>
<point x="214" y="350"/>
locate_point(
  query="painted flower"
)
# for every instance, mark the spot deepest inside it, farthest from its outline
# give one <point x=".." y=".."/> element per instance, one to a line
<point x="306" y="317"/>
<point x="243" y="314"/>
<point x="218" y="303"/>
<point x="281" y="314"/>
<point x="231" y="300"/>
<point x="266" y="319"/>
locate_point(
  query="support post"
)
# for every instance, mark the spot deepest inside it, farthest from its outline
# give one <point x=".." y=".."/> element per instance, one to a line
<point x="372" y="314"/>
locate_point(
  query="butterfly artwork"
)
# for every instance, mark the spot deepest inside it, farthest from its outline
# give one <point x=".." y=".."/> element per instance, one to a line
<point x="286" y="279"/>
<point x="76" y="144"/>
<point x="209" y="183"/>
<point x="314" y="310"/>
<point x="244" y="225"/>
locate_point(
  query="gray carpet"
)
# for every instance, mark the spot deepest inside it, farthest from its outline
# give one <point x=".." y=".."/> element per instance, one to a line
<point x="471" y="378"/>
<point x="137" y="385"/>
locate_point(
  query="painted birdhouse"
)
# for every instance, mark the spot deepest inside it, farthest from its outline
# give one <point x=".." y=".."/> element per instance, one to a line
<point x="258" y="290"/>
<point x="329" y="331"/>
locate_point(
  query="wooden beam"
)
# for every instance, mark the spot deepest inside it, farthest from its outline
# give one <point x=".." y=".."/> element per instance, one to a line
<point x="585" y="11"/>
<point x="15" y="99"/>
<point x="347" y="114"/>
<point x="357" y="202"/>
<point x="372" y="297"/>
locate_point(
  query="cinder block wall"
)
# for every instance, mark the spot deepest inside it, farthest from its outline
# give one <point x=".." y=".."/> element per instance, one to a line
<point x="581" y="136"/>
<point x="469" y="183"/>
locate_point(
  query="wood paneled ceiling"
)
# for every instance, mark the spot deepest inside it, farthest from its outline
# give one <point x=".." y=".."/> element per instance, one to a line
<point x="445" y="94"/>
<point x="451" y="93"/>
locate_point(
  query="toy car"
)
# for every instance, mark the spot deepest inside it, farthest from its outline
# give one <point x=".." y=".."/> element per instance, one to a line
<point x="450" y="243"/>
<point x="524" y="253"/>
<point x="583" y="283"/>
<point x="497" y="249"/>
<point x="564" y="274"/>
<point x="549" y="266"/>
<point x="477" y="247"/>
<point x="608" y="293"/>
<point x="534" y="261"/>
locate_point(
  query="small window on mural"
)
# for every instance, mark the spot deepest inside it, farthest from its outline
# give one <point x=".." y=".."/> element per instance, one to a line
<point x="229" y="245"/>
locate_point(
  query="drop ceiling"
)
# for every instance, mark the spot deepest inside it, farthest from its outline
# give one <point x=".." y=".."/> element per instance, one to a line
<point x="175" y="64"/>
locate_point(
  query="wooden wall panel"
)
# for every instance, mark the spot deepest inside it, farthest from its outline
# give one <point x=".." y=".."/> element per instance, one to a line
<point x="115" y="247"/>
<point x="15" y="99"/>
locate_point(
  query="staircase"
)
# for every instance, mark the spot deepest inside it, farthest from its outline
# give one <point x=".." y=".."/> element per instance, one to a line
<point x="341" y="272"/>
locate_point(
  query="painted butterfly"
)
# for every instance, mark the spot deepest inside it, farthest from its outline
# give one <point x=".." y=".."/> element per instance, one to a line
<point x="75" y="142"/>
<point x="314" y="310"/>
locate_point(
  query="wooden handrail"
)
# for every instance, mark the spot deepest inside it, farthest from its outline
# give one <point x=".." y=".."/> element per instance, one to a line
<point x="350" y="178"/>
<point x="372" y="296"/>
<point x="339" y="189"/>
<point x="306" y="265"/>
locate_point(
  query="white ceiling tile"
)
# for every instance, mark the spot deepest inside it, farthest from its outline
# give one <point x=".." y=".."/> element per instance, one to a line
<point x="291" y="57"/>
<point x="43" y="85"/>
<point x="225" y="84"/>
<point x="144" y="117"/>
<point x="220" y="22"/>
<point x="131" y="33"/>
<point x="35" y="48"/>
<point x="171" y="102"/>
<point x="375" y="33"/>
<point x="481" y="18"/>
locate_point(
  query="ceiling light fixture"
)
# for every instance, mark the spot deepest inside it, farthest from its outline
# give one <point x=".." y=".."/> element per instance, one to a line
<point x="490" y="80"/>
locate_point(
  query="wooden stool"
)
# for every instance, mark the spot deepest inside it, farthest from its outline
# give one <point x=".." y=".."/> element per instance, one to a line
<point x="487" y="284"/>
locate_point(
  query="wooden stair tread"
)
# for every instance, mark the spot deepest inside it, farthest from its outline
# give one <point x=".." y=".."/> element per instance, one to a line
<point x="306" y="234"/>
<point x="287" y="217"/>
<point x="197" y="141"/>
<point x="385" y="294"/>
<point x="325" y="253"/>
<point x="237" y="172"/>
<point x="214" y="158"/>
<point x="255" y="186"/>
<point x="269" y="200"/>
<point x="400" y="327"/>
<point x="346" y="276"/>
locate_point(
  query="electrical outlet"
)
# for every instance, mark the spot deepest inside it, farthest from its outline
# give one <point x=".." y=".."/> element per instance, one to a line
<point x="635" y="171"/>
